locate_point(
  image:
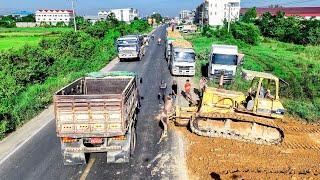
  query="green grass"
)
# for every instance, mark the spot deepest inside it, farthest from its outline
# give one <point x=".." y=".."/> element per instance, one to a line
<point x="296" y="64"/>
<point x="18" y="37"/>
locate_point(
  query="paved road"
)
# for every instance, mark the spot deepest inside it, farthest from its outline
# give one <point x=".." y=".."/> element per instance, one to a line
<point x="40" y="158"/>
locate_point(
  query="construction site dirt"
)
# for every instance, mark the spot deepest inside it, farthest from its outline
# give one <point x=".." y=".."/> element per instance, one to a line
<point x="297" y="157"/>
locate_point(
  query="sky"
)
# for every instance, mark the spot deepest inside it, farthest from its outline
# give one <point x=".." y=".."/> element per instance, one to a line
<point x="146" y="7"/>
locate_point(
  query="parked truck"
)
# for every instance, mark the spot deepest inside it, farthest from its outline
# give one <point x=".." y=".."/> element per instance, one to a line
<point x="97" y="115"/>
<point x="172" y="35"/>
<point x="182" y="58"/>
<point x="130" y="47"/>
<point x="224" y="60"/>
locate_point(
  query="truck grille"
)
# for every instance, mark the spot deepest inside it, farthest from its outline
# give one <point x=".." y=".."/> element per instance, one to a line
<point x="226" y="72"/>
<point x="127" y="52"/>
<point x="184" y="68"/>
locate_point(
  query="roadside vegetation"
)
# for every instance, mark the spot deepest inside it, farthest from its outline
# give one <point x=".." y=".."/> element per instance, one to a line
<point x="298" y="65"/>
<point x="15" y="38"/>
<point x="31" y="74"/>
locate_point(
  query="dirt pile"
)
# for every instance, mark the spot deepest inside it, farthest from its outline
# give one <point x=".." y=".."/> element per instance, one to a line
<point x="298" y="156"/>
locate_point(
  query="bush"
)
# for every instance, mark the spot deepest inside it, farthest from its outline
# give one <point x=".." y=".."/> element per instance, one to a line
<point x="246" y="32"/>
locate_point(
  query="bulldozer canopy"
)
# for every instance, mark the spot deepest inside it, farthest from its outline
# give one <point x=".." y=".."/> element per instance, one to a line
<point x="249" y="75"/>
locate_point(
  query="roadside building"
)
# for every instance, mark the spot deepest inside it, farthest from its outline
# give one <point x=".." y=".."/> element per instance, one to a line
<point x="52" y="17"/>
<point x="218" y="11"/>
<point x="184" y="14"/>
<point x="103" y="13"/>
<point x="201" y="14"/>
<point x="92" y="19"/>
<point x="127" y="15"/>
<point x="305" y="12"/>
<point x="187" y="16"/>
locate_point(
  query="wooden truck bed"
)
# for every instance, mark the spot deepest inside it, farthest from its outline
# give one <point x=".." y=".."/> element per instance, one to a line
<point x="95" y="107"/>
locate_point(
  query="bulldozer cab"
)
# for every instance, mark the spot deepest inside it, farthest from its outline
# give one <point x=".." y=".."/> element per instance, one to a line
<point x="264" y="94"/>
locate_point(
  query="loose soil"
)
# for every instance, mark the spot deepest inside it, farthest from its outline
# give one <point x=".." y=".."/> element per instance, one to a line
<point x="297" y="157"/>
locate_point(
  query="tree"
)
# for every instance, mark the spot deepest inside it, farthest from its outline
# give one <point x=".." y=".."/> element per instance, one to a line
<point x="250" y="15"/>
<point x="246" y="32"/>
<point x="28" y="18"/>
<point x="60" y="24"/>
<point x="157" y="16"/>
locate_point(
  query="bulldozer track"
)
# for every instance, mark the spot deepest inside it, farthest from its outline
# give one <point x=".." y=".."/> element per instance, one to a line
<point x="297" y="145"/>
<point x="255" y="122"/>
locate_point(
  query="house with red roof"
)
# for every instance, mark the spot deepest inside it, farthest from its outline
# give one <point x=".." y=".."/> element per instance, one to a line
<point x="305" y="12"/>
<point x="52" y="17"/>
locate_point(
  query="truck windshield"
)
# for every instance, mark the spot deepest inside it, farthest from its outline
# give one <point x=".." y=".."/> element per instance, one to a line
<point x="224" y="59"/>
<point x="126" y="46"/>
<point x="128" y="41"/>
<point x="184" y="56"/>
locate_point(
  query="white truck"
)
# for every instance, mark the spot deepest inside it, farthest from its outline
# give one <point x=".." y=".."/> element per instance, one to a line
<point x="224" y="60"/>
<point x="130" y="47"/>
<point x="182" y="60"/>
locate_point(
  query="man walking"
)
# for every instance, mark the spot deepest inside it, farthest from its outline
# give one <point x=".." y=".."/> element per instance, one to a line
<point x="162" y="91"/>
<point x="174" y="90"/>
<point x="187" y="90"/>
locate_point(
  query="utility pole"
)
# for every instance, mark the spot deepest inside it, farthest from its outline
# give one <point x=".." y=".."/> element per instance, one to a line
<point x="74" y="15"/>
<point x="203" y="13"/>
<point x="229" y="16"/>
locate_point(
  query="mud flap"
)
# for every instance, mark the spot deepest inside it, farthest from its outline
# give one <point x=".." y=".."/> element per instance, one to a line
<point x="73" y="158"/>
<point x="118" y="157"/>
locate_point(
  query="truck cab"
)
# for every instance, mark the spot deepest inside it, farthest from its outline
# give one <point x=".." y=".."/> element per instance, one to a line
<point x="129" y="47"/>
<point x="182" y="58"/>
<point x="224" y="60"/>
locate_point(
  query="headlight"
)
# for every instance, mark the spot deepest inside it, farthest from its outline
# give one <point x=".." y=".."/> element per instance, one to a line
<point x="279" y="111"/>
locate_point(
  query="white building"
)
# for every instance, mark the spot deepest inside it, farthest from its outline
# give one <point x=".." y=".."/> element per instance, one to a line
<point x="52" y="17"/>
<point x="185" y="14"/>
<point x="103" y="13"/>
<point x="126" y="15"/>
<point x="220" y="10"/>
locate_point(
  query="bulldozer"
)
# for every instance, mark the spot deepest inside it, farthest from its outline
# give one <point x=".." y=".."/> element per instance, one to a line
<point x="235" y="115"/>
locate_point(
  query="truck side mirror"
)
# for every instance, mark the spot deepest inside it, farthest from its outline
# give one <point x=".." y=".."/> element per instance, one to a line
<point x="141" y="81"/>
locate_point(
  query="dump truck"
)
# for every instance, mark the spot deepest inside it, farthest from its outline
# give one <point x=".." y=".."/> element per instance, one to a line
<point x="234" y="115"/>
<point x="224" y="59"/>
<point x="97" y="114"/>
<point x="172" y="35"/>
<point x="182" y="58"/>
<point x="130" y="47"/>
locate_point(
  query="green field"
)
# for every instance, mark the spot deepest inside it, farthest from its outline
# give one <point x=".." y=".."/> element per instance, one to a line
<point x="18" y="37"/>
<point x="296" y="64"/>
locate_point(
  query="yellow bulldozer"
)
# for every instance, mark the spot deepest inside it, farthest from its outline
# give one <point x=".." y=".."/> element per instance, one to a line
<point x="235" y="115"/>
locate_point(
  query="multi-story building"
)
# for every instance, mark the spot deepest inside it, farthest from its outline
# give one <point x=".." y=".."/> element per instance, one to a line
<point x="184" y="14"/>
<point x="127" y="15"/>
<point x="103" y="13"/>
<point x="52" y="17"/>
<point x="219" y="10"/>
<point x="201" y="14"/>
<point x="187" y="16"/>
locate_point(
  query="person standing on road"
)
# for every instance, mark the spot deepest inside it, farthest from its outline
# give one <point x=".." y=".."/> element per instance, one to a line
<point x="203" y="85"/>
<point x="174" y="91"/>
<point x="162" y="91"/>
<point x="187" y="90"/>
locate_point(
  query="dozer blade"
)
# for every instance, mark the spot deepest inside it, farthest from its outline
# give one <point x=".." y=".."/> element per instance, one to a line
<point x="248" y="131"/>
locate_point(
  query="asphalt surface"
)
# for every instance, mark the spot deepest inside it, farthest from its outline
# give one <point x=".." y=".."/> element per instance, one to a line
<point x="40" y="158"/>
